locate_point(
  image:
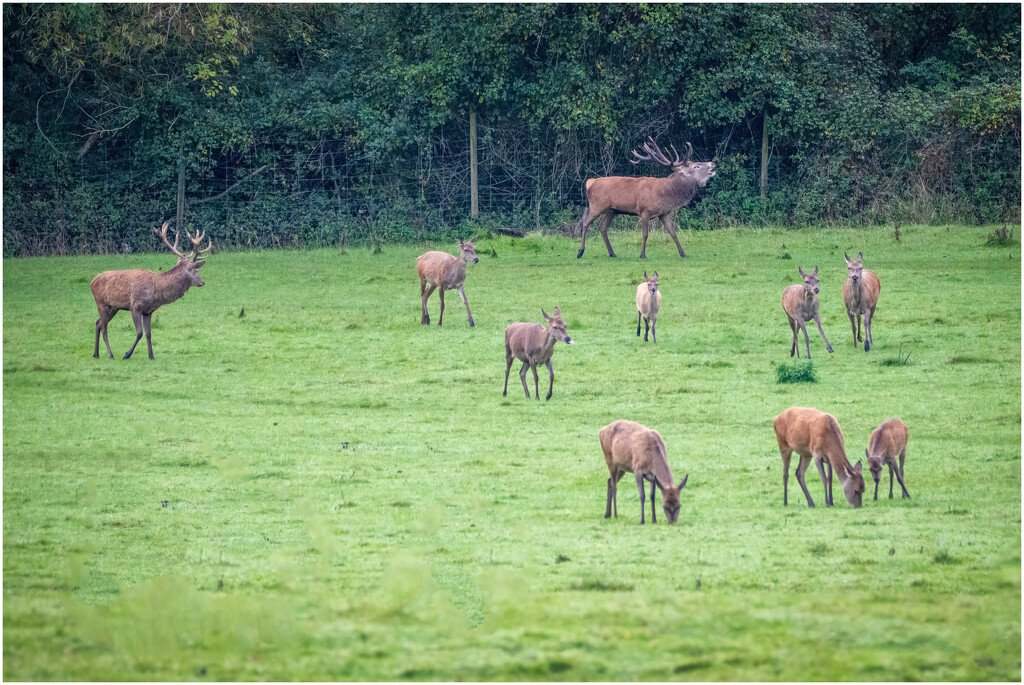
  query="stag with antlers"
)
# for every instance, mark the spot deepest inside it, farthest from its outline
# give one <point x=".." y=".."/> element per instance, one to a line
<point x="645" y="197"/>
<point x="141" y="292"/>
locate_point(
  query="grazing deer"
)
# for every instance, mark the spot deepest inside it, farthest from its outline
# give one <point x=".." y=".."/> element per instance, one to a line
<point x="532" y="344"/>
<point x="801" y="305"/>
<point x="141" y="292"/>
<point x="630" y="447"/>
<point x="887" y="441"/>
<point x="443" y="271"/>
<point x="860" y="294"/>
<point x="815" y="435"/>
<point x="648" y="301"/>
<point x="645" y="197"/>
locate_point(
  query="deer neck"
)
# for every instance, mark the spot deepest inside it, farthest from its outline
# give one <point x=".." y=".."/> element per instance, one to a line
<point x="171" y="285"/>
<point x="548" y="342"/>
<point x="857" y="290"/>
<point x="809" y="299"/>
<point x="680" y="190"/>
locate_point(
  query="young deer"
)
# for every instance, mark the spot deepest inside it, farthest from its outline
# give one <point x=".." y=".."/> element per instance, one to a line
<point x="860" y="294"/>
<point x="648" y="301"/>
<point x="630" y="447"/>
<point x="532" y="344"/>
<point x="645" y="197"/>
<point x="815" y="435"/>
<point x="887" y="441"/>
<point x="801" y="305"/>
<point x="141" y="292"/>
<point x="443" y="271"/>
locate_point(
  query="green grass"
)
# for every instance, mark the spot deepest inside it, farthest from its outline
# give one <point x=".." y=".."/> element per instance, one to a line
<point x="324" y="489"/>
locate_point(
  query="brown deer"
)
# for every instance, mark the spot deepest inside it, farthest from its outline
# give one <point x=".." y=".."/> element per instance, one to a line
<point x="860" y="294"/>
<point x="445" y="272"/>
<point x="141" y="292"/>
<point x="887" y="441"/>
<point x="645" y="197"/>
<point x="815" y="435"/>
<point x="801" y="305"/>
<point x="648" y="302"/>
<point x="630" y="447"/>
<point x="532" y="344"/>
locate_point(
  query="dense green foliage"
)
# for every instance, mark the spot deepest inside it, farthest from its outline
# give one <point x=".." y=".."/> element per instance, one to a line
<point x="322" y="488"/>
<point x="325" y="124"/>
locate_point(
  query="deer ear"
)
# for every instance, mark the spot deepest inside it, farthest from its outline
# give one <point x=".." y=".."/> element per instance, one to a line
<point x="866" y="455"/>
<point x="860" y="256"/>
<point x="800" y="269"/>
<point x="199" y="265"/>
<point x="473" y="239"/>
<point x="846" y="257"/>
<point x="815" y="272"/>
<point x="545" y="314"/>
<point x="557" y="313"/>
<point x="683" y="484"/>
<point x="655" y="274"/>
<point x="645" y="274"/>
<point x="857" y="467"/>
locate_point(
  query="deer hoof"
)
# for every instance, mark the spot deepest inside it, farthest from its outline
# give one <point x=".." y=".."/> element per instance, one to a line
<point x="682" y="255"/>
<point x="425" y="321"/>
<point x="579" y="254"/>
<point x="471" y="324"/>
<point x="613" y="255"/>
<point x="867" y="346"/>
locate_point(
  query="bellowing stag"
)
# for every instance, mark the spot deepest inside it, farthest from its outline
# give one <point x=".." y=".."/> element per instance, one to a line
<point x="645" y="197"/>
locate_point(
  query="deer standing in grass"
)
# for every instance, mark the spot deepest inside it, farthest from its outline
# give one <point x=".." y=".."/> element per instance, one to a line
<point x="644" y="197"/>
<point x="532" y="344"/>
<point x="141" y="292"/>
<point x="442" y="271"/>
<point x="860" y="294"/>
<point x="648" y="302"/>
<point x="815" y="436"/>
<point x="801" y="305"/>
<point x="631" y="447"/>
<point x="887" y="442"/>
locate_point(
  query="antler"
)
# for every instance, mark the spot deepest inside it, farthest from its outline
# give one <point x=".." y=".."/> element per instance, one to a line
<point x="197" y="252"/>
<point x="654" y="152"/>
<point x="163" y="234"/>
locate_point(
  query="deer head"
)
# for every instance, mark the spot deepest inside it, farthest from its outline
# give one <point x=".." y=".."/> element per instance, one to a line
<point x="855" y="267"/>
<point x="698" y="172"/>
<point x="853" y="484"/>
<point x="192" y="262"/>
<point x="670" y="500"/>
<point x="652" y="282"/>
<point x="556" y="327"/>
<point x="810" y="280"/>
<point x="467" y="251"/>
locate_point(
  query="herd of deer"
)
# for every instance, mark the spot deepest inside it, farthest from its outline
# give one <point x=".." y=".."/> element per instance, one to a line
<point x="628" y="447"/>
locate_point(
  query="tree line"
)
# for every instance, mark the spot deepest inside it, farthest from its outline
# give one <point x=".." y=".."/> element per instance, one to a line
<point x="326" y="124"/>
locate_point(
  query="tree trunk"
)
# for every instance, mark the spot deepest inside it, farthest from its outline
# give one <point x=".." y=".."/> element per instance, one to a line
<point x="764" y="161"/>
<point x="474" y="198"/>
<point x="181" y="194"/>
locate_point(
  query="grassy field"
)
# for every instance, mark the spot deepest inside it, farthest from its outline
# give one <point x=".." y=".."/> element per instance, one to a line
<point x="322" y="488"/>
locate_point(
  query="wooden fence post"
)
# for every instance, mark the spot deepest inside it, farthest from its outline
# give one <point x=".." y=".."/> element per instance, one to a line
<point x="764" y="161"/>
<point x="474" y="199"/>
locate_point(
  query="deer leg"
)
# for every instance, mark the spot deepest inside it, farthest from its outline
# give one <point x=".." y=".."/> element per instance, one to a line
<point x="645" y="227"/>
<point x="522" y="377"/>
<point x="608" y="505"/>
<point x="584" y="226"/>
<point x="615" y="492"/>
<point x="536" y="392"/>
<point x="901" y="473"/>
<point x="440" y="296"/>
<point x="508" y="367"/>
<point x="424" y="296"/>
<point x="890" y="480"/>
<point x="101" y="326"/>
<point x="667" y="223"/>
<point x="647" y="328"/>
<point x="787" y="453"/>
<point x="800" y="469"/>
<point x="859" y="336"/>
<point x="807" y="342"/>
<point x="639" y="316"/>
<point x="817" y="320"/>
<point x="145" y="325"/>
<point x="828" y="467"/>
<point x="871" y="318"/>
<point x="654" y="336"/>
<point x="654" y="515"/>
<point x="795" y="348"/>
<point x="867" y="331"/>
<point x="462" y="294"/>
<point x="824" y="481"/>
<point x="643" y="497"/>
<point x="606" y="221"/>
<point x="137" y="320"/>
<point x="853" y="327"/>
<point x="551" y="380"/>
